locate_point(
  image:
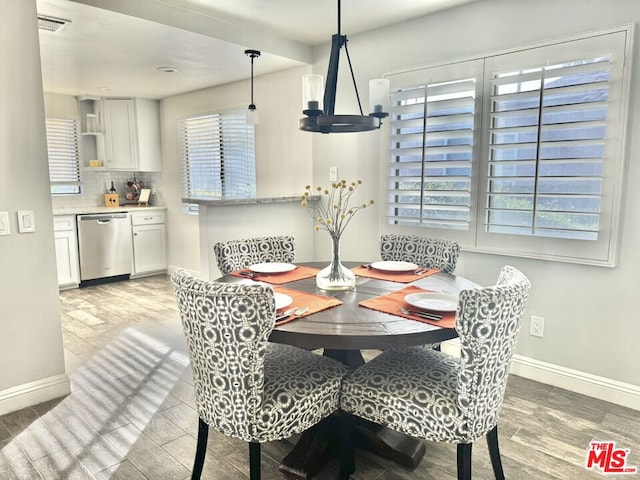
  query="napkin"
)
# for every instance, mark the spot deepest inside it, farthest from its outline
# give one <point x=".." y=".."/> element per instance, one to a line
<point x="298" y="273"/>
<point x="400" y="277"/>
<point x="315" y="303"/>
<point x="391" y="303"/>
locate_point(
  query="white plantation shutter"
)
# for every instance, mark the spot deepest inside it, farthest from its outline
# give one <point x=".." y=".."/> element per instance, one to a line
<point x="546" y="149"/>
<point x="64" y="159"/>
<point x="218" y="156"/>
<point x="554" y="150"/>
<point x="431" y="168"/>
<point x="518" y="153"/>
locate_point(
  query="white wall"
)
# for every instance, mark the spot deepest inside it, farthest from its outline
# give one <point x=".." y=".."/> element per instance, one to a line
<point x="591" y="324"/>
<point x="31" y="354"/>
<point x="283" y="163"/>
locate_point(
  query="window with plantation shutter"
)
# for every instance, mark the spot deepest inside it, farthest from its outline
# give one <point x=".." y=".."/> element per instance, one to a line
<point x="431" y="153"/>
<point x="532" y="167"/>
<point x="218" y="156"/>
<point x="433" y="138"/>
<point x="546" y="149"/>
<point x="64" y="159"/>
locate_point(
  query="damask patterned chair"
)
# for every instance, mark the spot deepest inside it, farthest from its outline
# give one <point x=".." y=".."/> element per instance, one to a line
<point x="234" y="255"/>
<point x="430" y="395"/>
<point x="423" y="251"/>
<point x="246" y="387"/>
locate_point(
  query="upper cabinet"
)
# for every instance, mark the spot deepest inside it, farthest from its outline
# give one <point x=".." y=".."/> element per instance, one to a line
<point x="127" y="133"/>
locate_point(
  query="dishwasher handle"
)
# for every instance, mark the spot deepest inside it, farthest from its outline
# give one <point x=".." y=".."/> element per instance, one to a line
<point x="102" y="217"/>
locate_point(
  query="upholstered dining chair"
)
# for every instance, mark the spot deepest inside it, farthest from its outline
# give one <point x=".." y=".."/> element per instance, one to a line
<point x="246" y="387"/>
<point x="234" y="255"/>
<point x="424" y="251"/>
<point x="434" y="396"/>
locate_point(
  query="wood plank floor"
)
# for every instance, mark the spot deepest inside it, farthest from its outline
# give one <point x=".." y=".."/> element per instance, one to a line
<point x="131" y="412"/>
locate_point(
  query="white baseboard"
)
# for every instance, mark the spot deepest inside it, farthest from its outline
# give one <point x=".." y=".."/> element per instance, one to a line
<point x="594" y="386"/>
<point x="32" y="393"/>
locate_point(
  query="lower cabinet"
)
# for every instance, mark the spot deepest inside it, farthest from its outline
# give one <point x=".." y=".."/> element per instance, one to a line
<point x="66" y="243"/>
<point x="149" y="243"/>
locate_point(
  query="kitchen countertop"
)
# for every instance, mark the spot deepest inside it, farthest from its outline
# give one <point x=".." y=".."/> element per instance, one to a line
<point x="121" y="208"/>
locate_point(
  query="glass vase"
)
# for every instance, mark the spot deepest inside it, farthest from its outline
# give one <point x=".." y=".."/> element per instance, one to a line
<point x="335" y="276"/>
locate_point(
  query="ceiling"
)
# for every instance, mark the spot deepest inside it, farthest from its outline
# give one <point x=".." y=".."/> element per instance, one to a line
<point x="114" y="47"/>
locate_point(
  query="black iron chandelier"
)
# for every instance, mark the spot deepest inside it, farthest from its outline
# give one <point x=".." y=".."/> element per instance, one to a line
<point x="320" y="113"/>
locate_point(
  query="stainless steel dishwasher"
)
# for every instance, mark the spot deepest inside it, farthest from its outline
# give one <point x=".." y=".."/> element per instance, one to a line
<point x="104" y="243"/>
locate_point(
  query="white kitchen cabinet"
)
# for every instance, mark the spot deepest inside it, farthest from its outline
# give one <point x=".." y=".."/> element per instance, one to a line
<point x="66" y="244"/>
<point x="132" y="134"/>
<point x="149" y="243"/>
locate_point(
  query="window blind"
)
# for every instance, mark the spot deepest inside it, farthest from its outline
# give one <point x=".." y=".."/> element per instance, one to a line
<point x="546" y="149"/>
<point x="64" y="159"/>
<point x="432" y="137"/>
<point x="218" y="156"/>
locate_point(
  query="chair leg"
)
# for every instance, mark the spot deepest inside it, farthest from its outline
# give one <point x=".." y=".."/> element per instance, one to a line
<point x="347" y="453"/>
<point x="254" y="461"/>
<point x="201" y="449"/>
<point x="464" y="461"/>
<point x="494" y="453"/>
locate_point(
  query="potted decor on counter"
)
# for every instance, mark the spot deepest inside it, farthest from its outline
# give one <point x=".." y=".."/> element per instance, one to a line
<point x="332" y="212"/>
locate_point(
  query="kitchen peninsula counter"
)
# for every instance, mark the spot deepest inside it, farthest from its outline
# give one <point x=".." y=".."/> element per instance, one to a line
<point x="225" y="202"/>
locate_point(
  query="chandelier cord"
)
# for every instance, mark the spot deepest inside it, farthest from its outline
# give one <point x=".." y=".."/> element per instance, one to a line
<point x="252" y="57"/>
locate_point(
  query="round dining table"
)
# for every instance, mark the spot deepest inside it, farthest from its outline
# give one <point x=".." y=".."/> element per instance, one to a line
<point x="343" y="332"/>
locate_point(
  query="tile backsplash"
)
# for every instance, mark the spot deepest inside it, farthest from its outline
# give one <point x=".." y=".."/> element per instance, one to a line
<point x="96" y="183"/>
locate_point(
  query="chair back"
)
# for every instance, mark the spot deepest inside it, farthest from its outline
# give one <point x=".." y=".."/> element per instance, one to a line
<point x="234" y="255"/>
<point x="488" y="321"/>
<point x="226" y="327"/>
<point x="424" y="251"/>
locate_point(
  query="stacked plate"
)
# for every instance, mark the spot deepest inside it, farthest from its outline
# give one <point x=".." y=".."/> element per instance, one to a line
<point x="272" y="267"/>
<point x="392" y="266"/>
<point x="433" y="301"/>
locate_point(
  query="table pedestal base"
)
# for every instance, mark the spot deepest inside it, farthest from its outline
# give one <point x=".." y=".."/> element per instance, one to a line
<point x="319" y="443"/>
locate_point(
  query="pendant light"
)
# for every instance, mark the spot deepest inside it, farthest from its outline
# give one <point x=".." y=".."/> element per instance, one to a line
<point x="320" y="111"/>
<point x="252" y="113"/>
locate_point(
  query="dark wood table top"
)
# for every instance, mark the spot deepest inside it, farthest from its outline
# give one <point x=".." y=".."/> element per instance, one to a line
<point x="352" y="327"/>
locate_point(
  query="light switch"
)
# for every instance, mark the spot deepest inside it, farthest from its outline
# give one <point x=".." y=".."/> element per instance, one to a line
<point x="4" y="223"/>
<point x="26" y="221"/>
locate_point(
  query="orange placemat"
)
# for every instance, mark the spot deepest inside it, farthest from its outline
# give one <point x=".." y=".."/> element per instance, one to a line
<point x="391" y="303"/>
<point x="401" y="277"/>
<point x="316" y="303"/>
<point x="297" y="273"/>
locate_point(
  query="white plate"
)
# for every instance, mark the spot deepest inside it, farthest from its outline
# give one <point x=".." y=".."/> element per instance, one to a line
<point x="282" y="300"/>
<point x="272" y="267"/>
<point x="437" y="302"/>
<point x="394" y="266"/>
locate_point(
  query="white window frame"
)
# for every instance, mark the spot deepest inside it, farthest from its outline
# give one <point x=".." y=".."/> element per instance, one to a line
<point x="601" y="252"/>
<point x="227" y="144"/>
<point x="63" y="155"/>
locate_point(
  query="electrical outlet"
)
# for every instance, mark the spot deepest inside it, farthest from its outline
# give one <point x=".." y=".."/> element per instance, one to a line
<point x="333" y="174"/>
<point x="536" y="326"/>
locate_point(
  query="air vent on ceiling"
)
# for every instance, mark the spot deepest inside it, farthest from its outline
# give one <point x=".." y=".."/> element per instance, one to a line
<point x="51" y="24"/>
